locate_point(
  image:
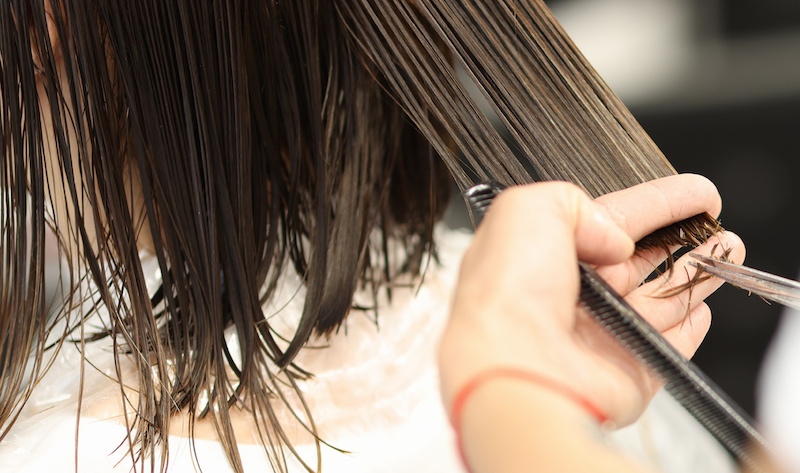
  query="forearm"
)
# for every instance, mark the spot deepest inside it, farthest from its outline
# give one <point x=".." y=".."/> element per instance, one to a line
<point x="509" y="425"/>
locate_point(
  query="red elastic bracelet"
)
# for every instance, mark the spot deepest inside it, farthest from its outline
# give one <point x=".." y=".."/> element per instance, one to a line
<point x="481" y="378"/>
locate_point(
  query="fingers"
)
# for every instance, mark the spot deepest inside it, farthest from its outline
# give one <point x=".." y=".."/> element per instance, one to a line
<point x="687" y="335"/>
<point x="626" y="276"/>
<point x="644" y="208"/>
<point x="558" y="214"/>
<point x="529" y="243"/>
<point x="598" y="239"/>
<point x="519" y="279"/>
<point x="665" y="313"/>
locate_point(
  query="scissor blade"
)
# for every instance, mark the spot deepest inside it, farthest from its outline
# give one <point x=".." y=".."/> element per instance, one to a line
<point x="769" y="286"/>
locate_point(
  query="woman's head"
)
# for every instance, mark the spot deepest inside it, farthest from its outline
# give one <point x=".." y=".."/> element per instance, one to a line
<point x="252" y="138"/>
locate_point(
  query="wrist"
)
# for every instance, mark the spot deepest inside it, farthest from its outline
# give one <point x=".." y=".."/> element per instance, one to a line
<point x="499" y="407"/>
<point x="508" y="425"/>
<point x="523" y="378"/>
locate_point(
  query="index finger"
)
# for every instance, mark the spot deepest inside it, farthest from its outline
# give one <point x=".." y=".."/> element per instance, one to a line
<point x="644" y="208"/>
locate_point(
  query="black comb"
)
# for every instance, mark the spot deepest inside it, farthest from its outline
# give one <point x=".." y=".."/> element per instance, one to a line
<point x="712" y="408"/>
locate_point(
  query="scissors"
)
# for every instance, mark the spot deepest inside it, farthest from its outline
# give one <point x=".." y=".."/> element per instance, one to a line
<point x="769" y="286"/>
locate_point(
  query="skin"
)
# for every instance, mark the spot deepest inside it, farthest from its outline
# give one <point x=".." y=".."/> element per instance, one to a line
<point x="514" y="306"/>
<point x="506" y="314"/>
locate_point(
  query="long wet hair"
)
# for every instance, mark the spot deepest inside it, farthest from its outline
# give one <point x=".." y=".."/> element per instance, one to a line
<point x="266" y="137"/>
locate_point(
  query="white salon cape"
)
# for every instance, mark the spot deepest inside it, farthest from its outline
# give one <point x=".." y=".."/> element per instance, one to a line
<point x="375" y="391"/>
<point x="778" y="395"/>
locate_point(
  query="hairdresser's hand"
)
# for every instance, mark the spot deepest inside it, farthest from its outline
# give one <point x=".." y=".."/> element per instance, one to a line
<point x="515" y="304"/>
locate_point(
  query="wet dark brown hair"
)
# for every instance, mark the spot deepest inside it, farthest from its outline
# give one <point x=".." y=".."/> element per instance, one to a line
<point x="267" y="137"/>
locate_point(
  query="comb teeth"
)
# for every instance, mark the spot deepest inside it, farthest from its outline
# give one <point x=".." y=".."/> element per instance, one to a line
<point x="480" y="196"/>
<point x="705" y="401"/>
<point x="684" y="381"/>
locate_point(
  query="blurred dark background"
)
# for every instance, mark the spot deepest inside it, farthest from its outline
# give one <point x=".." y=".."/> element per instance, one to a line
<point x="743" y="17"/>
